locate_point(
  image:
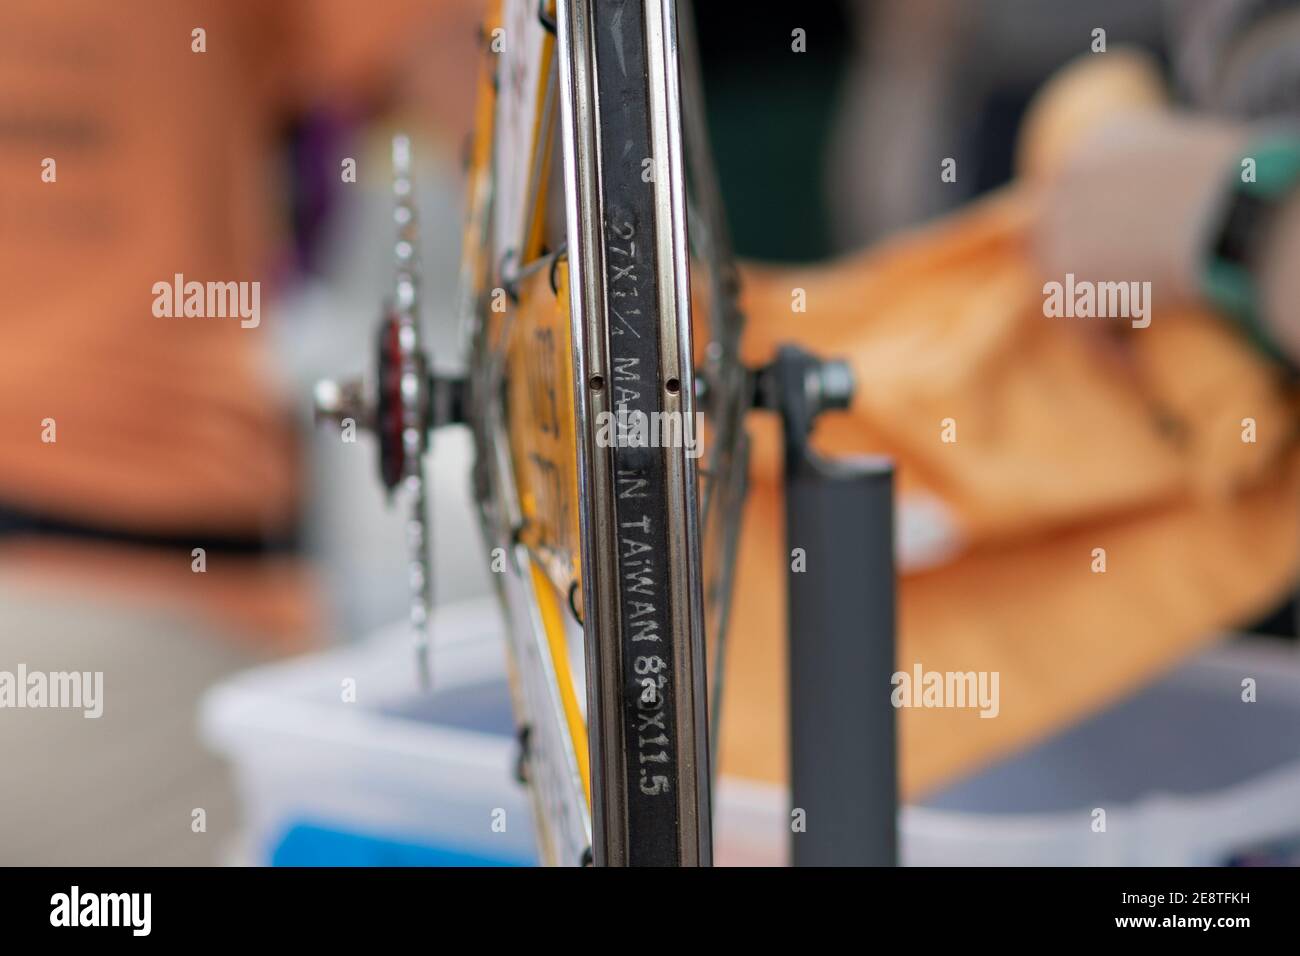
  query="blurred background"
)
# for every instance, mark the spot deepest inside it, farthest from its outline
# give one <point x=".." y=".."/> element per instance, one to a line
<point x="176" y="434"/>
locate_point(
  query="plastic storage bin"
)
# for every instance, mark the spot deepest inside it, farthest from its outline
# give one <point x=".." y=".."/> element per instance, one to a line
<point x="1186" y="771"/>
<point x="393" y="778"/>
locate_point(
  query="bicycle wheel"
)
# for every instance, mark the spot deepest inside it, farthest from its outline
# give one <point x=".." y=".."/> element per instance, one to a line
<point x="630" y="304"/>
<point x="581" y="396"/>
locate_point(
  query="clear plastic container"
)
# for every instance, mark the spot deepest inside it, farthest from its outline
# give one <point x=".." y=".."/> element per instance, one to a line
<point x="393" y="777"/>
<point x="1187" y="772"/>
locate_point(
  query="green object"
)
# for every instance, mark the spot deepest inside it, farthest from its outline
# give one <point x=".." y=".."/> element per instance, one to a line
<point x="1228" y="279"/>
<point x="1277" y="167"/>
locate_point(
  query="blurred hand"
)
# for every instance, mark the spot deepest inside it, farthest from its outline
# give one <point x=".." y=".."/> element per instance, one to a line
<point x="1137" y="201"/>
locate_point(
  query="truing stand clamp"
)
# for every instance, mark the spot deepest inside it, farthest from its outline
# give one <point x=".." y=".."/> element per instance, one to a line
<point x="840" y="620"/>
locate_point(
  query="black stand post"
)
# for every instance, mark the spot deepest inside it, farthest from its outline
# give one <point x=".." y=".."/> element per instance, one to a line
<point x="841" y="628"/>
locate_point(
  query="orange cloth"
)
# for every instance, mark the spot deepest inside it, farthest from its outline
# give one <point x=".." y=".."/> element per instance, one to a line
<point x="1060" y="449"/>
<point x="165" y="163"/>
